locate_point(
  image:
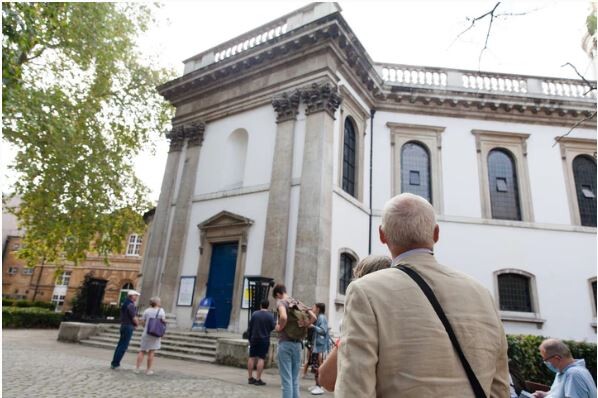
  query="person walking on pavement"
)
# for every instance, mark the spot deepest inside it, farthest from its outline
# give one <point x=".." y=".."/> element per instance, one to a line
<point x="128" y="322"/>
<point x="289" y="349"/>
<point x="262" y="323"/>
<point x="150" y="343"/>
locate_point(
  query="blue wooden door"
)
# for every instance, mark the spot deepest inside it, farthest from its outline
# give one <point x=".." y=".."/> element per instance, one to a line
<point x="221" y="283"/>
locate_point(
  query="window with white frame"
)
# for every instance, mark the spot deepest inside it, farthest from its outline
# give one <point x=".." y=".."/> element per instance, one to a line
<point x="124" y="291"/>
<point x="417" y="160"/>
<point x="517" y="295"/>
<point x="579" y="167"/>
<point x="28" y="271"/>
<point x="13" y="270"/>
<point x="63" y="279"/>
<point x="504" y="177"/>
<point x="134" y="245"/>
<point x="592" y="283"/>
<point x="58" y="301"/>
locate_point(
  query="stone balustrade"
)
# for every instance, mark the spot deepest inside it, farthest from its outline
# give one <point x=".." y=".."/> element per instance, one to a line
<point x="483" y="82"/>
<point x="261" y="35"/>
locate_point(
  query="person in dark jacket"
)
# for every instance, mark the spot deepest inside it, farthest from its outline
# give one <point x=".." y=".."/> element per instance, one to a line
<point x="262" y="323"/>
<point x="128" y="322"/>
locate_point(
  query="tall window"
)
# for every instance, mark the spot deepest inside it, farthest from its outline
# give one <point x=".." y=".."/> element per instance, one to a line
<point x="64" y="278"/>
<point x="134" y="245"/>
<point x="415" y="170"/>
<point x="58" y="301"/>
<point x="345" y="271"/>
<point x="349" y="146"/>
<point x="502" y="180"/>
<point x="584" y="173"/>
<point x="514" y="292"/>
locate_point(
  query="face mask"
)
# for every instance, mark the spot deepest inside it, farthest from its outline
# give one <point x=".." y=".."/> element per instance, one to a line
<point x="550" y="366"/>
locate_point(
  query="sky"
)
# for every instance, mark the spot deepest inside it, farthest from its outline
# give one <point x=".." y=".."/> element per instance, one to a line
<point x="420" y="32"/>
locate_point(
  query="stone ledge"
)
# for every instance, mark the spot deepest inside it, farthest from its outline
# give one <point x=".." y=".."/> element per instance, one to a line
<point x="74" y="332"/>
<point x="235" y="352"/>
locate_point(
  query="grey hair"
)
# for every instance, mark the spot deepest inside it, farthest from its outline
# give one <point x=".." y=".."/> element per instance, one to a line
<point x="408" y="220"/>
<point x="555" y="347"/>
<point x="370" y="264"/>
<point x="154" y="301"/>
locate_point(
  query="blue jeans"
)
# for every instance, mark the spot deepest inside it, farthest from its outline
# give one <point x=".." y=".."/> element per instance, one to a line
<point x="126" y="332"/>
<point x="289" y="362"/>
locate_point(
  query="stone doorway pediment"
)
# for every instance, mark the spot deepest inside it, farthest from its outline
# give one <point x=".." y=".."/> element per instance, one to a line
<point x="225" y="219"/>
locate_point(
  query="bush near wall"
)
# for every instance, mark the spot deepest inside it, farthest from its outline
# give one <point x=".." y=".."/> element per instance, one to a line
<point x="523" y="349"/>
<point x="30" y="317"/>
<point x="6" y="302"/>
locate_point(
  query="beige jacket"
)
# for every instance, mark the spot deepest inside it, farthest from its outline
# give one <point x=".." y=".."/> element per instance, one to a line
<point x="393" y="344"/>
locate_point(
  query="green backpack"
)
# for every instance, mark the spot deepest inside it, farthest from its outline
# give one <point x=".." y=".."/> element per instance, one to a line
<point x="297" y="311"/>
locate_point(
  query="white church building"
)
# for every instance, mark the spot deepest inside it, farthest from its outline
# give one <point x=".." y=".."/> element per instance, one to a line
<point x="288" y="140"/>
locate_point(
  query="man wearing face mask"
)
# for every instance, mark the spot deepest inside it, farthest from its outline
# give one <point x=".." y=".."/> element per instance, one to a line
<point x="572" y="378"/>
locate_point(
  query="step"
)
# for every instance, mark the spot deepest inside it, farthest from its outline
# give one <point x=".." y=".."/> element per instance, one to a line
<point x="171" y="332"/>
<point x="165" y="340"/>
<point x="159" y="353"/>
<point x="164" y="346"/>
<point x="168" y="335"/>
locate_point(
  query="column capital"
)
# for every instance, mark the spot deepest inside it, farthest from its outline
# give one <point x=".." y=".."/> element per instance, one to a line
<point x="286" y="106"/>
<point x="321" y="97"/>
<point x="194" y="132"/>
<point x="176" y="136"/>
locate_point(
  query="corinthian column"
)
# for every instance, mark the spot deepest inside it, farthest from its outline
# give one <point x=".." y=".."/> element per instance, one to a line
<point x="193" y="133"/>
<point x="153" y="257"/>
<point x="279" y="198"/>
<point x="311" y="271"/>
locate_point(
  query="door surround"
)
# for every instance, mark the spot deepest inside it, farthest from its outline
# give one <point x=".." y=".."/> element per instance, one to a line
<point x="221" y="228"/>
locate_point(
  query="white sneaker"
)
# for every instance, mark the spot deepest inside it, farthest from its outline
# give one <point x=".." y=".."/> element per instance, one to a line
<point x="311" y="388"/>
<point x="136" y="371"/>
<point x="149" y="372"/>
<point x="317" y="391"/>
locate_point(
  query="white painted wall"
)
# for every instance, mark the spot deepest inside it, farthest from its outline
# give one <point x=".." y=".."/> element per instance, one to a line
<point x="260" y="124"/>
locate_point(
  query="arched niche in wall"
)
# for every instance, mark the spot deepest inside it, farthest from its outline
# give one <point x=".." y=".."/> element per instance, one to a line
<point x="233" y="166"/>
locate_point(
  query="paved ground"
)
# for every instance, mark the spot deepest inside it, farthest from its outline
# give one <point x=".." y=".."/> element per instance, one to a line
<point x="34" y="364"/>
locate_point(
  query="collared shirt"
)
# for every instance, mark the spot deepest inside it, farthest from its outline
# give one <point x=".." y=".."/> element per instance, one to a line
<point x="575" y="381"/>
<point x="128" y="312"/>
<point x="408" y="253"/>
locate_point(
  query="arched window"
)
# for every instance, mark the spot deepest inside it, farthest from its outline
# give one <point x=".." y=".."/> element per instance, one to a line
<point x="349" y="158"/>
<point x="415" y="170"/>
<point x="584" y="174"/>
<point x="124" y="291"/>
<point x="514" y="292"/>
<point x="234" y="166"/>
<point x="502" y="181"/>
<point x="347" y="263"/>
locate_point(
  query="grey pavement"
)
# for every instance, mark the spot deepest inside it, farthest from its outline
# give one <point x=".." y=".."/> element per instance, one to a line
<point x="34" y="364"/>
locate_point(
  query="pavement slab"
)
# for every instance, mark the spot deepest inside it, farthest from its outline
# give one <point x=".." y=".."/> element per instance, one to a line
<point x="35" y="364"/>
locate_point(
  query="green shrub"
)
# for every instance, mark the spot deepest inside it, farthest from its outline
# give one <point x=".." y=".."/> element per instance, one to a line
<point x="30" y="317"/>
<point x="523" y="349"/>
<point x="23" y="303"/>
<point x="6" y="302"/>
<point x="44" y="304"/>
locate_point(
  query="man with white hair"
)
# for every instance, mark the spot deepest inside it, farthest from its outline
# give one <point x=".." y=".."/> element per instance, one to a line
<point x="572" y="379"/>
<point x="128" y="322"/>
<point x="393" y="342"/>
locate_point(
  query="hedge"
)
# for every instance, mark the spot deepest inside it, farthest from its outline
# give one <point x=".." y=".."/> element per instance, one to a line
<point x="523" y="350"/>
<point x="7" y="302"/>
<point x="30" y="317"/>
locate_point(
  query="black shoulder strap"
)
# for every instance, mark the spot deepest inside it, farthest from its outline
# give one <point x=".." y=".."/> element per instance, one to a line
<point x="475" y="384"/>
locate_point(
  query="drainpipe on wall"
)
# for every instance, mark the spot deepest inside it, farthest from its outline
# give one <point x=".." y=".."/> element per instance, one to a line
<point x="372" y="113"/>
<point x="39" y="276"/>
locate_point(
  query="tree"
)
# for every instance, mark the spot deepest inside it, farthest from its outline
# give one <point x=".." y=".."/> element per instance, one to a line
<point x="79" y="102"/>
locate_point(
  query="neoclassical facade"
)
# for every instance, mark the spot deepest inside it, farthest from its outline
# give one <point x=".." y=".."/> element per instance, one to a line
<point x="288" y="140"/>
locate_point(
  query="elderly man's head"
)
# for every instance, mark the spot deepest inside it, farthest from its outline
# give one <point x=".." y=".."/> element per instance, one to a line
<point x="408" y="222"/>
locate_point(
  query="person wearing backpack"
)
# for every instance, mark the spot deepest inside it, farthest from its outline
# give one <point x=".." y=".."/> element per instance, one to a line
<point x="294" y="317"/>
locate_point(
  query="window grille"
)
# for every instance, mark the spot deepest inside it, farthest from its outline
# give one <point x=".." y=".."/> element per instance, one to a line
<point x="349" y="150"/>
<point x="134" y="246"/>
<point x="514" y="293"/>
<point x="584" y="173"/>
<point x="415" y="170"/>
<point x="346" y="272"/>
<point x="504" y="191"/>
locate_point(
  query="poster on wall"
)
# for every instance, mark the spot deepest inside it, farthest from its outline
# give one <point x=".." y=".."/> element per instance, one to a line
<point x="245" y="300"/>
<point x="186" y="289"/>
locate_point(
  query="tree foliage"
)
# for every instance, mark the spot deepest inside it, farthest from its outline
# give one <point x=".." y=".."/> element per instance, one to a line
<point x="79" y="102"/>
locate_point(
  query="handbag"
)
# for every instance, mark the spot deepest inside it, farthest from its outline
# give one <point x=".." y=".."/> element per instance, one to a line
<point x="155" y="326"/>
<point x="473" y="380"/>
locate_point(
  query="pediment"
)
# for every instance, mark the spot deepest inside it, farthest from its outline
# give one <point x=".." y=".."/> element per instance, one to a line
<point x="225" y="219"/>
